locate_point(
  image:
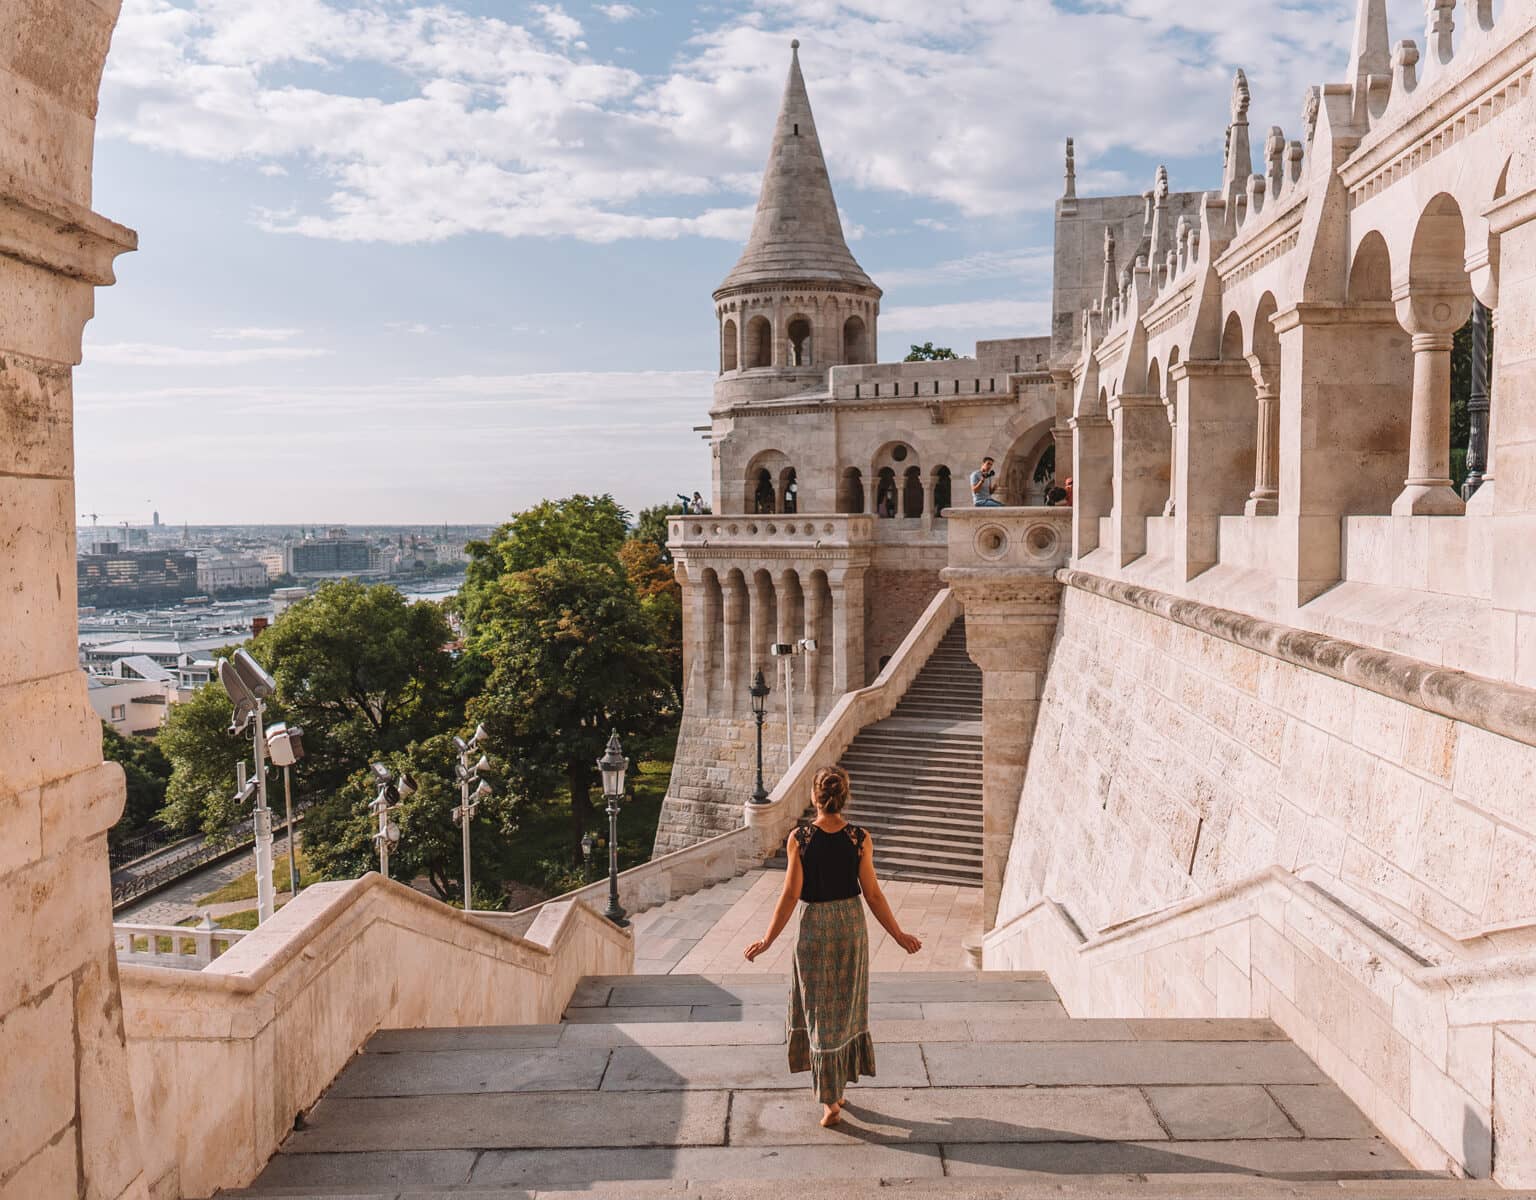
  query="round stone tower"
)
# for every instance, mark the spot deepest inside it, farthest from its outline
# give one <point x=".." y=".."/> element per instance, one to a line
<point x="796" y="303"/>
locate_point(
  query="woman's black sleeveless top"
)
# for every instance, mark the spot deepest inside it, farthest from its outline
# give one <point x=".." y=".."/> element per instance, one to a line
<point x="830" y="862"/>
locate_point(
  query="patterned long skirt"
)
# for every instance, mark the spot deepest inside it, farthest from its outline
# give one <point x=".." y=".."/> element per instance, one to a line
<point x="829" y="998"/>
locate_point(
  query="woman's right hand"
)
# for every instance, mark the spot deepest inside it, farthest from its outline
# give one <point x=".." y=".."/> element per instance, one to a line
<point x="756" y="948"/>
<point x="908" y="943"/>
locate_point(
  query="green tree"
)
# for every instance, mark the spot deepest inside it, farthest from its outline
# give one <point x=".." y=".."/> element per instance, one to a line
<point x="572" y="656"/>
<point x="202" y="753"/>
<point x="147" y="772"/>
<point x="928" y="352"/>
<point x="652" y="526"/>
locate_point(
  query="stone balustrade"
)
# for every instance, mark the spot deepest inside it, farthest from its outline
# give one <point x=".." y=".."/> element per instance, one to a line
<point x="751" y="533"/>
<point x="180" y="946"/>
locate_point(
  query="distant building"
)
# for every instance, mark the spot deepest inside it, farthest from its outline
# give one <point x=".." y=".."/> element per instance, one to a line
<point x="134" y="697"/>
<point x="112" y="576"/>
<point x="231" y="575"/>
<point x="169" y="653"/>
<point x="327" y="556"/>
<point x="285" y="598"/>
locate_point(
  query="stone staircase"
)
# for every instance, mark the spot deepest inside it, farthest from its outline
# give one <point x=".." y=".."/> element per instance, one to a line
<point x="677" y="1085"/>
<point x="917" y="774"/>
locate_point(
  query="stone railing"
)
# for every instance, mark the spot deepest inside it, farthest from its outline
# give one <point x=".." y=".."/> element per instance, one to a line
<point x="224" y="1059"/>
<point x="999" y="541"/>
<point x="749" y="532"/>
<point x="771" y="822"/>
<point x="186" y="948"/>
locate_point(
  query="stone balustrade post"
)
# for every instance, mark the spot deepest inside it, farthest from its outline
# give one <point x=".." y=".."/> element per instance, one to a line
<point x="1264" y="500"/>
<point x="848" y="671"/>
<point x="1431" y="314"/>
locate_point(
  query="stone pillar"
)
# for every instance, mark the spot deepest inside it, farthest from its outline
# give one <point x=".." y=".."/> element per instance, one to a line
<point x="763" y="621"/>
<point x="1171" y="412"/>
<point x="735" y="676"/>
<point x="1216" y="456"/>
<point x="1141" y="471"/>
<point x="1477" y="402"/>
<point x="1264" y="500"/>
<point x="1432" y="315"/>
<point x="68" y="1127"/>
<point x="1003" y="569"/>
<point x="847" y="629"/>
<point x="811" y="628"/>
<point x="1062" y="435"/>
<point x="1093" y="468"/>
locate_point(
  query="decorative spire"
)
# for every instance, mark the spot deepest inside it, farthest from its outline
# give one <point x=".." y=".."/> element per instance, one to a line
<point x="1239" y="153"/>
<point x="797" y="233"/>
<point x="1371" y="53"/>
<point x="1110" y="275"/>
<point x="1071" y="192"/>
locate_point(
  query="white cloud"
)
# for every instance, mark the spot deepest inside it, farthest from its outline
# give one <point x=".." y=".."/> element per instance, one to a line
<point x="619" y="12"/>
<point x="147" y="354"/>
<point x="515" y="129"/>
<point x="975" y="318"/>
<point x="255" y="334"/>
<point x="1031" y="265"/>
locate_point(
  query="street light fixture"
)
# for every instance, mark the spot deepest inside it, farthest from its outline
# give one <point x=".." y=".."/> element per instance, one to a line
<point x="285" y="743"/>
<point x="759" y="693"/>
<point x="786" y="651"/>
<point x="612" y="767"/>
<point x="249" y="687"/>
<point x="586" y="856"/>
<point x="469" y="777"/>
<point x="392" y="791"/>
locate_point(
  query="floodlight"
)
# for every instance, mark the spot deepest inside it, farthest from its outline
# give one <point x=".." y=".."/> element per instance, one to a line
<point x="460" y="744"/>
<point x="484" y="764"/>
<point x="380" y="772"/>
<point x="480" y="734"/>
<point x="285" y="743"/>
<point x="782" y="648"/>
<point x="254" y="676"/>
<point x="483" y="792"/>
<point x="809" y="644"/>
<point x="406" y="785"/>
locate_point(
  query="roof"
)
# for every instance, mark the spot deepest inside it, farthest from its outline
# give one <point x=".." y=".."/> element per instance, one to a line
<point x="796" y="234"/>
<point x="144" y="667"/>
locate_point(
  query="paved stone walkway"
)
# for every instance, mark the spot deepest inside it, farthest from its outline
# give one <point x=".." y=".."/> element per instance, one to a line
<point x="680" y="1082"/>
<point x="705" y="933"/>
<point x="179" y="901"/>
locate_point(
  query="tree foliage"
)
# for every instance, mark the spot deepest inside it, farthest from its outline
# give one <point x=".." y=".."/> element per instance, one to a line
<point x="586" y="528"/>
<point x="652" y="526"/>
<point x="928" y="352"/>
<point x="147" y="772"/>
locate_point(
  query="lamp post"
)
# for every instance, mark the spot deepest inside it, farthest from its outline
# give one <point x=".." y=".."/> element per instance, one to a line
<point x="612" y="767"/>
<point x="285" y="745"/>
<point x="586" y="857"/>
<point x="392" y="790"/>
<point x="249" y="687"/>
<point x="787" y="651"/>
<point x="759" y="693"/>
<point x="469" y="777"/>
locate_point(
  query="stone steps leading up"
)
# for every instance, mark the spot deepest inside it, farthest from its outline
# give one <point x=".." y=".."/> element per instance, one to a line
<point x="678" y="1085"/>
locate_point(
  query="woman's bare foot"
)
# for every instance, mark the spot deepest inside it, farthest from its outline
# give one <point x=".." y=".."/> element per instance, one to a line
<point x="830" y="1115"/>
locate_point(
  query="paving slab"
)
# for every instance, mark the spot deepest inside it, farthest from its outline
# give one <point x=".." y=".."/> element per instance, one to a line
<point x="377" y="1169"/>
<point x="947" y="1115"/>
<point x="622" y="995"/>
<point x="1046" y="1029"/>
<point x="779" y="1011"/>
<point x="524" y="1120"/>
<point x="1322" y="1111"/>
<point x="919" y="1031"/>
<point x="485" y="1037"/>
<point x="920" y="988"/>
<point x="680" y="1033"/>
<point x="1107" y="1063"/>
<point x="659" y="1012"/>
<point x="806" y="1163"/>
<point x="1363" y="1157"/>
<point x="1226" y="1111"/>
<point x="462" y="1072"/>
<point x="689" y="1068"/>
<point x="1201" y="1029"/>
<point x="967" y="1010"/>
<point x="590" y="991"/>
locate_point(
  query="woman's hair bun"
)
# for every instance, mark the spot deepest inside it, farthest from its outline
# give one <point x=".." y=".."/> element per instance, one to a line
<point x="829" y="789"/>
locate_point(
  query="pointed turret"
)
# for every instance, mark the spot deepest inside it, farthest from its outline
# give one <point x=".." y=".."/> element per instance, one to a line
<point x="796" y="235"/>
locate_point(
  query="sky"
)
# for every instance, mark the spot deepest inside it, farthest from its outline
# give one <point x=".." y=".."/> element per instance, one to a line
<point x="435" y="260"/>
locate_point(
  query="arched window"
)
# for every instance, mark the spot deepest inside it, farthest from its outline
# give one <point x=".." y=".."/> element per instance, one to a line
<point x="855" y="341"/>
<point x="912" y="493"/>
<point x="759" y="343"/>
<point x="799" y="342"/>
<point x="943" y="490"/>
<point x="789" y="491"/>
<point x="762" y="495"/>
<point x="728" y="346"/>
<point x="850" y="491"/>
<point x="885" y="493"/>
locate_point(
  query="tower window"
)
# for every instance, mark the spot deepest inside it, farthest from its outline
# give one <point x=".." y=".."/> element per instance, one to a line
<point x="797" y="130"/>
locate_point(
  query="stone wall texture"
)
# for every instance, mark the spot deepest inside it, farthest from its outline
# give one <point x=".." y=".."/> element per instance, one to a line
<point x="1206" y="829"/>
<point x="894" y="600"/>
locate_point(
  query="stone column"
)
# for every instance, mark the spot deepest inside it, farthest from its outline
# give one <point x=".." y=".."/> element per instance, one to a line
<point x="1477" y="402"/>
<point x="1141" y="471"/>
<point x="1171" y="412"/>
<point x="1093" y="467"/>
<point x="68" y="1127"/>
<point x="847" y="629"/>
<point x="1432" y="315"/>
<point x="811" y="628"/>
<point x="762" y="606"/>
<point x="736" y="676"/>
<point x="1264" y="500"/>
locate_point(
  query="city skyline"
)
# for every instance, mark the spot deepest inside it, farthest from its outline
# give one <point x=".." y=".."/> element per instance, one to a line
<point x="464" y="253"/>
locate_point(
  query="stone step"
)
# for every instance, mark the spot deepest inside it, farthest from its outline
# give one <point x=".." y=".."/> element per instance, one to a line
<point x="958" y="783"/>
<point x="919" y="820"/>
<point x="868" y="793"/>
<point x="874" y="762"/>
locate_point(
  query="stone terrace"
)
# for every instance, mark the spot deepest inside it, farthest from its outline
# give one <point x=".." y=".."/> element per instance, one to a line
<point x="679" y="1083"/>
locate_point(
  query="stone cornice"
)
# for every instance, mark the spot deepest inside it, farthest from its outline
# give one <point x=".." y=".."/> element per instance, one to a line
<point x="59" y="236"/>
<point x="1018" y="591"/>
<point x="1501" y="708"/>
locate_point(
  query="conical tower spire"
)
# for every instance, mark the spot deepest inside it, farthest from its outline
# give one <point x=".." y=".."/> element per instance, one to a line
<point x="797" y="234"/>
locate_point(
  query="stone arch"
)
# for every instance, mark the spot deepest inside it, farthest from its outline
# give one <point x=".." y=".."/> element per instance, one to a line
<point x="886" y="498"/>
<point x="1232" y="347"/>
<point x="943" y="490"/>
<point x="856" y="340"/>
<point x="1017" y="465"/>
<point x="850" y="491"/>
<point x="709" y="651"/>
<point x="912" y="493"/>
<point x="1154" y="379"/>
<point x="1370" y="275"/>
<point x="799" y="334"/>
<point x="763" y="481"/>
<point x="759" y="347"/>
<point x="728" y="347"/>
<point x="789" y="491"/>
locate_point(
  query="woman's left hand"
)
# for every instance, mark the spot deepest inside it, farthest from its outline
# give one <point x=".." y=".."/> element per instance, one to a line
<point x="755" y="949"/>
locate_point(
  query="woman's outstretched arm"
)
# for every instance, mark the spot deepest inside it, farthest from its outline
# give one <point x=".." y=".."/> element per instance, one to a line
<point x="788" y="898"/>
<point x="878" y="904"/>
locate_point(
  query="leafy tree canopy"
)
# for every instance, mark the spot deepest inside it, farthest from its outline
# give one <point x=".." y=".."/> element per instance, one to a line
<point x="651" y="526"/>
<point x="147" y="772"/>
<point x="588" y="528"/>
<point x="928" y="352"/>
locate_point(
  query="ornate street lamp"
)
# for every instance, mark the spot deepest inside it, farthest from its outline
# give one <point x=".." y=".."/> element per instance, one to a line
<point x="468" y="774"/>
<point x="759" y="693"/>
<point x="612" y="766"/>
<point x="586" y="856"/>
